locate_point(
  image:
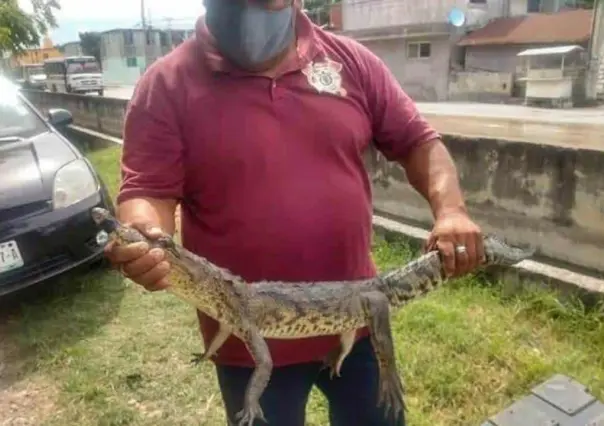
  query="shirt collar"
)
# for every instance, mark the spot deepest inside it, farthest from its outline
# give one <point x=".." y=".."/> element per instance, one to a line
<point x="307" y="46"/>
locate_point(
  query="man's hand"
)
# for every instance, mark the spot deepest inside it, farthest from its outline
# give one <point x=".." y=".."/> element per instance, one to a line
<point x="143" y="266"/>
<point x="452" y="233"/>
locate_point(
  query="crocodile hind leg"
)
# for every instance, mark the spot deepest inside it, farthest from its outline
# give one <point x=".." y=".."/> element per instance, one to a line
<point x="377" y="313"/>
<point x="259" y="351"/>
<point x="335" y="358"/>
<point x="219" y="338"/>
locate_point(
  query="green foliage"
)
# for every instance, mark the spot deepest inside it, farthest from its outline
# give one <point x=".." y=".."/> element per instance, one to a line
<point x="318" y="10"/>
<point x="20" y="30"/>
<point x="91" y="44"/>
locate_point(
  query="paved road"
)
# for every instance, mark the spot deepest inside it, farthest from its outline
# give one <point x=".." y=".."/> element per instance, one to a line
<point x="575" y="128"/>
<point x="124" y="92"/>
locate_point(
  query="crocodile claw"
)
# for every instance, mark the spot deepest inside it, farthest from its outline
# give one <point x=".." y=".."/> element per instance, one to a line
<point x="391" y="393"/>
<point x="198" y="358"/>
<point x="247" y="416"/>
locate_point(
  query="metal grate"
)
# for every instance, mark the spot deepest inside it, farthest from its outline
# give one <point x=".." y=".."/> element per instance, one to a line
<point x="23" y="210"/>
<point x="33" y="270"/>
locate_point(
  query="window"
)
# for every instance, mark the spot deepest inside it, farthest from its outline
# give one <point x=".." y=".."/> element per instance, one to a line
<point x="128" y="37"/>
<point x="17" y="120"/>
<point x="418" y="50"/>
<point x="163" y="38"/>
<point x="131" y="62"/>
<point x="82" y="65"/>
<point x="533" y="6"/>
<point x="477" y="1"/>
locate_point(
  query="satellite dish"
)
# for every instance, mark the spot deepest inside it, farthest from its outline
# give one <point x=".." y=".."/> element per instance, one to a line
<point x="456" y="17"/>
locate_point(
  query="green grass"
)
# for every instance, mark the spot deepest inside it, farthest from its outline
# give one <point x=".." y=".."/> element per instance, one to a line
<point x="97" y="350"/>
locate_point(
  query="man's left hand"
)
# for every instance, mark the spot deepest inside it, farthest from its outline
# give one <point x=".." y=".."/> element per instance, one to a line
<point x="459" y="240"/>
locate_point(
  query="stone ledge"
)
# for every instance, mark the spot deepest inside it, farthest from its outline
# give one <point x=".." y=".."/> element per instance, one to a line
<point x="589" y="289"/>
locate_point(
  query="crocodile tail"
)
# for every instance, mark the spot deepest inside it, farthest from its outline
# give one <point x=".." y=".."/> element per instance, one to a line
<point x="498" y="252"/>
<point x="416" y="278"/>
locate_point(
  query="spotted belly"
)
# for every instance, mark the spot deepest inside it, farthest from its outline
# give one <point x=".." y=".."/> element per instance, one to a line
<point x="289" y="326"/>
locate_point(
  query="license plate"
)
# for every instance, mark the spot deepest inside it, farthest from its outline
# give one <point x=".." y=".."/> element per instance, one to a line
<point x="10" y="256"/>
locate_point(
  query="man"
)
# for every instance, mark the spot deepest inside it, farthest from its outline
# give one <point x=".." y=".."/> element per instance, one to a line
<point x="257" y="127"/>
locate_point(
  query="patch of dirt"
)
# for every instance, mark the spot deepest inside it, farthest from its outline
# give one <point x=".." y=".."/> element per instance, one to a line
<point x="24" y="401"/>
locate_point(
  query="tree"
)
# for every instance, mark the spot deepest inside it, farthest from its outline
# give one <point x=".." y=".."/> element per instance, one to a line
<point x="91" y="44"/>
<point x="20" y="30"/>
<point x="318" y="10"/>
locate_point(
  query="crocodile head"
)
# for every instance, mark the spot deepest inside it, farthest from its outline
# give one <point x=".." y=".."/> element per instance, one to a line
<point x="125" y="234"/>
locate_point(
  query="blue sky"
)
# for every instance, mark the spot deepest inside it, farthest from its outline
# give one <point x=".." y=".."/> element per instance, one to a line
<point x="101" y="15"/>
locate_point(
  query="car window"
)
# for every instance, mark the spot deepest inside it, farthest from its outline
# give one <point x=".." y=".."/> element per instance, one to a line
<point x="16" y="117"/>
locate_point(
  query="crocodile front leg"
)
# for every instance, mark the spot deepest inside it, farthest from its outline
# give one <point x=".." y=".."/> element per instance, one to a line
<point x="377" y="313"/>
<point x="335" y="358"/>
<point x="260" y="377"/>
<point x="221" y="336"/>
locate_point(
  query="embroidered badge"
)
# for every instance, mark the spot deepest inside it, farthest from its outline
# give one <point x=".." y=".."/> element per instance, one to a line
<point x="325" y="77"/>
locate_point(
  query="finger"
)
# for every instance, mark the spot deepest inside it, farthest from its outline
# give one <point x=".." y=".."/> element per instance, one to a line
<point x="144" y="263"/>
<point x="154" y="279"/>
<point x="150" y="231"/>
<point x="430" y="243"/>
<point x="447" y="251"/>
<point x="466" y="260"/>
<point x="480" y="254"/>
<point x="122" y="254"/>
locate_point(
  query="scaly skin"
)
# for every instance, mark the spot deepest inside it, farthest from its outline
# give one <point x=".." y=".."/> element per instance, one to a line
<point x="285" y="310"/>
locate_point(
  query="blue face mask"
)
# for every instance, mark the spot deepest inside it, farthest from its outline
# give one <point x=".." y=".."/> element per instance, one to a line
<point x="249" y="35"/>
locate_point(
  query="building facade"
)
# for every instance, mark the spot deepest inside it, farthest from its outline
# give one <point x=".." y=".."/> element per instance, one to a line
<point x="126" y="53"/>
<point x="420" y="45"/>
<point x="35" y="55"/>
<point x="72" y="48"/>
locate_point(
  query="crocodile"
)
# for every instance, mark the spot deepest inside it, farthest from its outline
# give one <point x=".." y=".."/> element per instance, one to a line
<point x="254" y="311"/>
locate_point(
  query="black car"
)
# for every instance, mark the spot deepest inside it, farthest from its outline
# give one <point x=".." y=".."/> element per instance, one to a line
<point x="47" y="189"/>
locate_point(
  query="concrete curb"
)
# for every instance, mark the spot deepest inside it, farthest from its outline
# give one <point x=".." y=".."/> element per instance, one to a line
<point x="589" y="289"/>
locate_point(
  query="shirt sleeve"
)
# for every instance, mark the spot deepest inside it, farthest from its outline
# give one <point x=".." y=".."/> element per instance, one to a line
<point x="152" y="156"/>
<point x="397" y="125"/>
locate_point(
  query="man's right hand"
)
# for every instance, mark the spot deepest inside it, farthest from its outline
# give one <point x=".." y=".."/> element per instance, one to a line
<point x="143" y="266"/>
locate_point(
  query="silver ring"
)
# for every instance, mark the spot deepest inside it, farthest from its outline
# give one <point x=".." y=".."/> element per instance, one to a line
<point x="460" y="249"/>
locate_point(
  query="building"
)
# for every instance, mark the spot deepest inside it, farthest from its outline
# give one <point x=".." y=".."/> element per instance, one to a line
<point x="35" y="55"/>
<point x="127" y="52"/>
<point x="494" y="47"/>
<point x="596" y="53"/>
<point x="72" y="48"/>
<point x="420" y="45"/>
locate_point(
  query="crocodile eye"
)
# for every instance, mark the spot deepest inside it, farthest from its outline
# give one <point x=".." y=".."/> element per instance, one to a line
<point x="166" y="243"/>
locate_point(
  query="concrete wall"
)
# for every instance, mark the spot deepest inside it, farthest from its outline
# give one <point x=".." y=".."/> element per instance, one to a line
<point x="123" y="71"/>
<point x="504" y="59"/>
<point x="424" y="79"/>
<point x="363" y="14"/>
<point x="480" y="86"/>
<point x="493" y="58"/>
<point x="105" y="115"/>
<point x="546" y="196"/>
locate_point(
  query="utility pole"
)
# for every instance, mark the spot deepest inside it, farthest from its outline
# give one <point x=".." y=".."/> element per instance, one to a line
<point x="145" y="36"/>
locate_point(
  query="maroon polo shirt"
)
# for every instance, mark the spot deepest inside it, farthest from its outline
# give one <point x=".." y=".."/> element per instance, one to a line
<point x="270" y="172"/>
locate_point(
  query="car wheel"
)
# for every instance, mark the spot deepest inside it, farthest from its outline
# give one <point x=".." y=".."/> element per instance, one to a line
<point x="101" y="93"/>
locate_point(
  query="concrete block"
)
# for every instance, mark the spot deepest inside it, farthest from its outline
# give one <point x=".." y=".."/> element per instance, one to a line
<point x="559" y="401"/>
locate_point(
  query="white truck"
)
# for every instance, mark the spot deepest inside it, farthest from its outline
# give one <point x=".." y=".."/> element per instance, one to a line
<point x="74" y="74"/>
